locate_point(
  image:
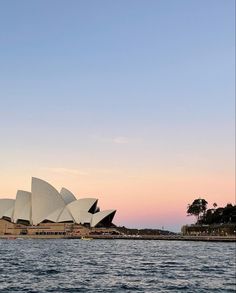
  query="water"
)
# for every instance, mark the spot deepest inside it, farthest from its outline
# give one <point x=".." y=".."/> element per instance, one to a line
<point x="116" y="266"/>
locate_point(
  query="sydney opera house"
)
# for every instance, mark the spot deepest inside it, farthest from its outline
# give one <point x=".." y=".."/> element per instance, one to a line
<point x="44" y="210"/>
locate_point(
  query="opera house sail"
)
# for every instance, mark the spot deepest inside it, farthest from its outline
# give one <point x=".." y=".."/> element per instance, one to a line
<point x="44" y="204"/>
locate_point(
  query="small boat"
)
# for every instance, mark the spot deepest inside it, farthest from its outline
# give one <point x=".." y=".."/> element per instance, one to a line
<point x="86" y="238"/>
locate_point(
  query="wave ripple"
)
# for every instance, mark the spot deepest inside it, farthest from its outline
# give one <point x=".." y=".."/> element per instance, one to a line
<point x="116" y="266"/>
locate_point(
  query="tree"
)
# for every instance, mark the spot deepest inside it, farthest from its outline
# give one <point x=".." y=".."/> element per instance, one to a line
<point x="208" y="217"/>
<point x="228" y="213"/>
<point x="197" y="208"/>
<point x="214" y="205"/>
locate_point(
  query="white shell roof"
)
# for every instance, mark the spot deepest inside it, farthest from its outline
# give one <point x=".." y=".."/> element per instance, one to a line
<point x="83" y="204"/>
<point x="67" y="195"/>
<point x="46" y="201"/>
<point x="98" y="217"/>
<point x="79" y="209"/>
<point x="65" y="216"/>
<point x="6" y="207"/>
<point x="54" y="216"/>
<point x="22" y="209"/>
<point x="83" y="217"/>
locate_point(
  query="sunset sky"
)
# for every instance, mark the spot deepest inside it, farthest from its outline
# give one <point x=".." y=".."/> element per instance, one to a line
<point x="128" y="101"/>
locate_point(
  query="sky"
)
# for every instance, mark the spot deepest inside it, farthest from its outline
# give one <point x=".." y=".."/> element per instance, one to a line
<point x="132" y="102"/>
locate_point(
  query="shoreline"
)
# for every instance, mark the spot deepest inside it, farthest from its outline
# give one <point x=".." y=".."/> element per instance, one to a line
<point x="125" y="237"/>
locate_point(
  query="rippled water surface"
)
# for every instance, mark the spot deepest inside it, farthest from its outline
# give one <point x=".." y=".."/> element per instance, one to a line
<point x="116" y="266"/>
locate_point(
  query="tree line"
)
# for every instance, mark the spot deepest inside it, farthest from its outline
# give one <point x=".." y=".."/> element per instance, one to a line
<point x="215" y="215"/>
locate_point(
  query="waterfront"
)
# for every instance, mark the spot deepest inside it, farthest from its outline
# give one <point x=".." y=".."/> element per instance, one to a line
<point x="74" y="265"/>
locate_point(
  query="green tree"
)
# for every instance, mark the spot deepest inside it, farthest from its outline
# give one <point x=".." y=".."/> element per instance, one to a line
<point x="197" y="208"/>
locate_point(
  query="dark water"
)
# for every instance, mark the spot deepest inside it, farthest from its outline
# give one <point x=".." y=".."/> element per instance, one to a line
<point x="116" y="266"/>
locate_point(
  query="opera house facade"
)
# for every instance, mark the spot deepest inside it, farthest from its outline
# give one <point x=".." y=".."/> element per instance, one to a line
<point x="44" y="210"/>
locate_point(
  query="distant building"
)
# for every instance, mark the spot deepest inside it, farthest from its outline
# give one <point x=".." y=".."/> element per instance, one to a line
<point x="44" y="207"/>
<point x="209" y="230"/>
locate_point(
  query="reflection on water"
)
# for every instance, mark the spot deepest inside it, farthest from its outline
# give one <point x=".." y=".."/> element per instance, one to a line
<point x="116" y="266"/>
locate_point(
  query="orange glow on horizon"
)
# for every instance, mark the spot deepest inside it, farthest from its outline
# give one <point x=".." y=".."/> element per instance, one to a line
<point x="152" y="201"/>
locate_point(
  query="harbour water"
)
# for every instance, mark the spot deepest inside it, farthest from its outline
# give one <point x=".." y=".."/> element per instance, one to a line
<point x="74" y="265"/>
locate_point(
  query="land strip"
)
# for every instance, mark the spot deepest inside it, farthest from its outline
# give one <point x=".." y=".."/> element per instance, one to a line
<point x="126" y="237"/>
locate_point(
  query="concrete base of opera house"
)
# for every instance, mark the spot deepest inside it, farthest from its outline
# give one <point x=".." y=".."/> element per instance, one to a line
<point x="50" y="230"/>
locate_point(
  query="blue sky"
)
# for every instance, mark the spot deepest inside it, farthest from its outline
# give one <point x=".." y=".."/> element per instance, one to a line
<point x="130" y="86"/>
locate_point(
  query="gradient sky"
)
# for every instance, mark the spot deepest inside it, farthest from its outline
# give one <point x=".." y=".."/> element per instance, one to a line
<point x="128" y="101"/>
